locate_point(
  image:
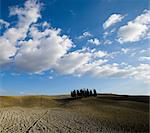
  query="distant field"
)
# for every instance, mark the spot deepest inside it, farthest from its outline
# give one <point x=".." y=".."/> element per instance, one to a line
<point x="62" y="114"/>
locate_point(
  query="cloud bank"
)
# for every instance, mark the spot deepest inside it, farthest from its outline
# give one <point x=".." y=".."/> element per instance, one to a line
<point x="35" y="47"/>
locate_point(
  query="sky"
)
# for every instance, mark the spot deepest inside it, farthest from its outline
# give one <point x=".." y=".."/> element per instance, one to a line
<point x="51" y="47"/>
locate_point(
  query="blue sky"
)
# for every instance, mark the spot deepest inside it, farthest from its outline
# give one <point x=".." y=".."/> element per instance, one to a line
<point x="53" y="46"/>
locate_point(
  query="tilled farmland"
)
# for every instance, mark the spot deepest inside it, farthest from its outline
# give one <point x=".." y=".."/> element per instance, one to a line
<point x="111" y="114"/>
<point x="20" y="120"/>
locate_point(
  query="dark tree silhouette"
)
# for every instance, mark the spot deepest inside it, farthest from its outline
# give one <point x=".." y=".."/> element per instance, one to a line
<point x="91" y="94"/>
<point x="95" y="93"/>
<point x="74" y="93"/>
<point x="78" y="93"/>
<point x="87" y="93"/>
<point x="83" y="93"/>
<point x="71" y="94"/>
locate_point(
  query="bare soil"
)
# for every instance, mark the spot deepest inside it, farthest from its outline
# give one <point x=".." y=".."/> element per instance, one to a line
<point x="108" y="114"/>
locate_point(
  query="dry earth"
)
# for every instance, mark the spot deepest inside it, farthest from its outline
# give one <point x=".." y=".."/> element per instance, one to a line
<point x="18" y="120"/>
<point x="106" y="114"/>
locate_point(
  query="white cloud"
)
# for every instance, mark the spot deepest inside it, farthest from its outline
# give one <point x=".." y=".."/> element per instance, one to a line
<point x="46" y="24"/>
<point x="113" y="19"/>
<point x="140" y="72"/>
<point x="15" y="74"/>
<point x="143" y="51"/>
<point x="108" y="33"/>
<point x="143" y="18"/>
<point x="147" y="50"/>
<point x="85" y="35"/>
<point x="94" y="41"/>
<point x="133" y="54"/>
<point x="42" y="53"/>
<point x="26" y="16"/>
<point x="100" y="54"/>
<point x="125" y="50"/>
<point x="7" y="50"/>
<point x="71" y="62"/>
<point x="4" y="23"/>
<point x="135" y="30"/>
<point x="107" y="42"/>
<point x="85" y="63"/>
<point x="50" y="50"/>
<point x="131" y="32"/>
<point x="144" y="58"/>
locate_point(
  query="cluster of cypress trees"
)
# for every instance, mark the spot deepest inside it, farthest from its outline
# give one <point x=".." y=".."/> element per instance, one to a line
<point x="83" y="93"/>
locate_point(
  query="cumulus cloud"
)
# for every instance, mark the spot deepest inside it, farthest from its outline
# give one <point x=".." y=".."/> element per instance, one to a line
<point x="144" y="58"/>
<point x="85" y="63"/>
<point x="94" y="41"/>
<point x="26" y="16"/>
<point x="9" y="40"/>
<point x="42" y="52"/>
<point x="113" y="19"/>
<point x="140" y="72"/>
<point x="71" y="62"/>
<point x="135" y="30"/>
<point x="85" y="35"/>
<point x="100" y="54"/>
<point x="37" y="47"/>
<point x="143" y="18"/>
<point x="132" y="32"/>
<point x="7" y="50"/>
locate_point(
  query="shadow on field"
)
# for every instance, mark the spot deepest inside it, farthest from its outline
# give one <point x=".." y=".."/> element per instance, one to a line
<point x="144" y="99"/>
<point x="66" y="101"/>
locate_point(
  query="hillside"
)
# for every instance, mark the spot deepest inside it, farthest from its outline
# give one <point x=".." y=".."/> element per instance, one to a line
<point x="107" y="113"/>
<point x="57" y="101"/>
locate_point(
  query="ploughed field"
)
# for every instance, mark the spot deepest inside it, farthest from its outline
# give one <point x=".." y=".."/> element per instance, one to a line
<point x="62" y="114"/>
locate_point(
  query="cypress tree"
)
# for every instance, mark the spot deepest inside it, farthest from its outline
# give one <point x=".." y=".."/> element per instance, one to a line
<point x="95" y="93"/>
<point x="87" y="92"/>
<point x="71" y="94"/>
<point x="91" y="93"/>
<point x="78" y="94"/>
